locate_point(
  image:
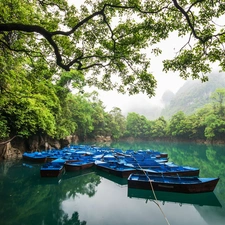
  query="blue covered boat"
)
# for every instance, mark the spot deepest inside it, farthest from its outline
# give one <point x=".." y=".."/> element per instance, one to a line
<point x="36" y="157"/>
<point x="52" y="170"/>
<point x="74" y="165"/>
<point x="172" y="184"/>
<point x="171" y="170"/>
<point x="115" y="168"/>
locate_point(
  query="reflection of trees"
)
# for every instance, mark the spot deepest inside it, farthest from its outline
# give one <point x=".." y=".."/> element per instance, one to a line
<point x="26" y="198"/>
<point x="209" y="158"/>
<point x="73" y="221"/>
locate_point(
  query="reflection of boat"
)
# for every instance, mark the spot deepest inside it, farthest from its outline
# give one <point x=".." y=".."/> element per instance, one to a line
<point x="201" y="199"/>
<point x="66" y="176"/>
<point x="172" y="184"/>
<point x="114" y="168"/>
<point x="111" y="177"/>
<point x="51" y="170"/>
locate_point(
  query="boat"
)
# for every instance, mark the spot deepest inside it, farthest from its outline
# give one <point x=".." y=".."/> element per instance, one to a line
<point x="74" y="165"/>
<point x="200" y="199"/>
<point x="171" y="170"/>
<point x="168" y="169"/>
<point x="35" y="157"/>
<point x="172" y="183"/>
<point x="52" y="170"/>
<point x="115" y="168"/>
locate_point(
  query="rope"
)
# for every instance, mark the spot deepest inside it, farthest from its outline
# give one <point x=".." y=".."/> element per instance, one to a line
<point x="153" y="191"/>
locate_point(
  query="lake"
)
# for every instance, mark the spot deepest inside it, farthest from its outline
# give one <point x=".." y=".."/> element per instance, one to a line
<point x="93" y="197"/>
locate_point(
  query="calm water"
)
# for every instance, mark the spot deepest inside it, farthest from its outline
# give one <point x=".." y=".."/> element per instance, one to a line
<point x="93" y="197"/>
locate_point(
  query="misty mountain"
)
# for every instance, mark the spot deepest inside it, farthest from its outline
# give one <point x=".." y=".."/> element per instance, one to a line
<point x="191" y="96"/>
<point x="167" y="97"/>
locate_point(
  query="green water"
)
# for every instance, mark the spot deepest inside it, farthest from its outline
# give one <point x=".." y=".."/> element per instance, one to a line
<point x="93" y="197"/>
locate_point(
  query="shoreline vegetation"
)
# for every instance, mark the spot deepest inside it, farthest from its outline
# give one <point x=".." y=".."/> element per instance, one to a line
<point x="89" y="122"/>
<point x="16" y="146"/>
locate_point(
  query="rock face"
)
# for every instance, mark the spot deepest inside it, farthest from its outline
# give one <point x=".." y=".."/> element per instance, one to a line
<point x="103" y="139"/>
<point x="7" y="151"/>
<point x="15" y="147"/>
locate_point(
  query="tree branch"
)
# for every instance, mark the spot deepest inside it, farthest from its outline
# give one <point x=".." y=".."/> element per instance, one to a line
<point x="49" y="35"/>
<point x="5" y="142"/>
<point x="189" y="21"/>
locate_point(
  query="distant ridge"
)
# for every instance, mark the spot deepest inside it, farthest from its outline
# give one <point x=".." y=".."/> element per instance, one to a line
<point x="193" y="95"/>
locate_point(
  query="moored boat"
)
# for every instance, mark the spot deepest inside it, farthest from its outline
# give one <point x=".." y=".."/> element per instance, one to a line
<point x="36" y="157"/>
<point x="74" y="165"/>
<point x="172" y="183"/>
<point x="115" y="168"/>
<point x="51" y="170"/>
<point x="171" y="170"/>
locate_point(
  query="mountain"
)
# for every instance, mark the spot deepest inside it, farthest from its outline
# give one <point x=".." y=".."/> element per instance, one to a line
<point x="192" y="95"/>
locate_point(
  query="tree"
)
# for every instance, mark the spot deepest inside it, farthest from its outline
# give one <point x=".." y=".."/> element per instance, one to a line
<point x="108" y="38"/>
<point x="137" y="126"/>
<point x="176" y="126"/>
<point x="218" y="98"/>
<point x="28" y="100"/>
<point x="158" y="127"/>
<point x="98" y="115"/>
<point x="214" y="122"/>
<point x="117" y="124"/>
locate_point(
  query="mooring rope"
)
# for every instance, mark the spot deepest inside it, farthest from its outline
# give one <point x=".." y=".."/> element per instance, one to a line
<point x="153" y="191"/>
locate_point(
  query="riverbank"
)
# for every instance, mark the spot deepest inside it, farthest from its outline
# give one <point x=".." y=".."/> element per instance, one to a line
<point x="16" y="146"/>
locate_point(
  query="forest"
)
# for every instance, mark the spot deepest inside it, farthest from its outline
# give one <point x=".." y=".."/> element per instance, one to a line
<point x="84" y="115"/>
<point x="49" y="48"/>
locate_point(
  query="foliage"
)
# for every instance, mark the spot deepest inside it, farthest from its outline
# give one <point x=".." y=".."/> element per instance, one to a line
<point x="117" y="123"/>
<point x="218" y="98"/>
<point x="177" y="125"/>
<point x="47" y="47"/>
<point x="158" y="128"/>
<point x="110" y="38"/>
<point x="137" y="126"/>
<point x="28" y="100"/>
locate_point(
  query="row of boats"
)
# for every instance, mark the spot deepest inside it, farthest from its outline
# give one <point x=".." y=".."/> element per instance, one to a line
<point x="143" y="169"/>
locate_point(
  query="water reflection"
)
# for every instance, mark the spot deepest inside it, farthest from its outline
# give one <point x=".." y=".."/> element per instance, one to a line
<point x="118" y="180"/>
<point x="201" y="199"/>
<point x="94" y="197"/>
<point x="26" y="198"/>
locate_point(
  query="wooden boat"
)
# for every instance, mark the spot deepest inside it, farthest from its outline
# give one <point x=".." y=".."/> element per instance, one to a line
<point x="115" y="168"/>
<point x="153" y="153"/>
<point x="172" y="184"/>
<point x="200" y="199"/>
<point x="145" y="162"/>
<point x="51" y="170"/>
<point x="171" y="170"/>
<point x="36" y="157"/>
<point x="153" y="167"/>
<point x="74" y="165"/>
